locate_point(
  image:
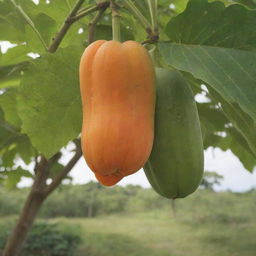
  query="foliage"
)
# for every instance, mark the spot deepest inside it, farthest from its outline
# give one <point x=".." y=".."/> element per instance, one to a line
<point x="93" y="200"/>
<point x="210" y="179"/>
<point x="218" y="50"/>
<point x="47" y="239"/>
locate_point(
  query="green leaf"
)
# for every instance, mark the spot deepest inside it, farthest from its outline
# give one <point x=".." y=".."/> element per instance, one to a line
<point x="9" y="156"/>
<point x="9" y="107"/>
<point x="249" y="3"/>
<point x="46" y="26"/>
<point x="179" y="5"/>
<point x="239" y="147"/>
<point x="232" y="73"/>
<point x="49" y="103"/>
<point x="213" y="116"/>
<point x="218" y="132"/>
<point x="14" y="177"/>
<point x="7" y="133"/>
<point x="15" y="55"/>
<point x="12" y="24"/>
<point x="25" y="149"/>
<point x="212" y="24"/>
<point x="241" y="121"/>
<point x="10" y="75"/>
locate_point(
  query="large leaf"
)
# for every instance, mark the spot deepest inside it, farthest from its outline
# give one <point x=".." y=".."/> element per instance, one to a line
<point x="49" y="103"/>
<point x="218" y="132"/>
<point x="46" y="17"/>
<point x="232" y="73"/>
<point x="212" y="24"/>
<point x="241" y="121"/>
<point x="239" y="147"/>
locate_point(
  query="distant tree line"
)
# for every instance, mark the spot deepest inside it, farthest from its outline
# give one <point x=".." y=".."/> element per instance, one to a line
<point x="92" y="199"/>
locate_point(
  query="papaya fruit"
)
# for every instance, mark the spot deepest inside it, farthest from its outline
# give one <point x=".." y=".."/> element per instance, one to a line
<point x="175" y="166"/>
<point x="117" y="85"/>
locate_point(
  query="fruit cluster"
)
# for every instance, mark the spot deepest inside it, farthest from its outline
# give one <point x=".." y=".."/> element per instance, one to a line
<point x="137" y="116"/>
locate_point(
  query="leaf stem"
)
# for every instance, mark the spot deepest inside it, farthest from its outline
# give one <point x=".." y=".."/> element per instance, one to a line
<point x="152" y="4"/>
<point x="135" y="11"/>
<point x="115" y="21"/>
<point x="30" y="22"/>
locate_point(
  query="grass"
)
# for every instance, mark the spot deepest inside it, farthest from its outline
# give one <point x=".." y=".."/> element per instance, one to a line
<point x="205" y="224"/>
<point x="163" y="235"/>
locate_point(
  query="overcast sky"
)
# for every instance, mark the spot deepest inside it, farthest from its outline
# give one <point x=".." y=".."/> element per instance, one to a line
<point x="236" y="178"/>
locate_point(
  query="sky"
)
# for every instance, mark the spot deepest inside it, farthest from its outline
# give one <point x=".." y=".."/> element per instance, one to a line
<point x="236" y="177"/>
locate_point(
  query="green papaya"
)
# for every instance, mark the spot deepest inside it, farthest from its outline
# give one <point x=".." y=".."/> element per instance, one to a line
<point x="175" y="166"/>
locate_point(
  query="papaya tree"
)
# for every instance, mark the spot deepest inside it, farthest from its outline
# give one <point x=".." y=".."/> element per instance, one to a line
<point x="210" y="43"/>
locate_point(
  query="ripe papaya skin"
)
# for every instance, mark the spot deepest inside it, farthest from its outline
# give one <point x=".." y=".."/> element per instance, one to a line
<point x="117" y="84"/>
<point x="108" y="180"/>
<point x="175" y="166"/>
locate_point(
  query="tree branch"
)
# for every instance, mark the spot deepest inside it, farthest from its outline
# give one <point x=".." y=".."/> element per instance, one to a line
<point x="74" y="16"/>
<point x="64" y="28"/>
<point x="93" y="23"/>
<point x="84" y="13"/>
<point x="59" y="177"/>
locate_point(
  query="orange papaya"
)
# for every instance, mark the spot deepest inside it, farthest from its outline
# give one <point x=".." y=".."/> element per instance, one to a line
<point x="117" y="84"/>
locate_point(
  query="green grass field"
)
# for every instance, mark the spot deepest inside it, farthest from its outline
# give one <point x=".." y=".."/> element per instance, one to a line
<point x="161" y="235"/>
<point x="203" y="224"/>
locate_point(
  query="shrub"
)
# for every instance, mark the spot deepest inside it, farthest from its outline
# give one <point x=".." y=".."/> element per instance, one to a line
<point x="45" y="238"/>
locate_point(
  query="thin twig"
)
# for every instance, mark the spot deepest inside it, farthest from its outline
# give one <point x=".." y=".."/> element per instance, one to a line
<point x="60" y="176"/>
<point x="93" y="23"/>
<point x="64" y="28"/>
<point x="74" y="16"/>
<point x="84" y="13"/>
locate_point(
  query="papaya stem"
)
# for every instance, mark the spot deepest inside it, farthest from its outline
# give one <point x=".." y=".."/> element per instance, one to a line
<point x="95" y="20"/>
<point x="115" y="21"/>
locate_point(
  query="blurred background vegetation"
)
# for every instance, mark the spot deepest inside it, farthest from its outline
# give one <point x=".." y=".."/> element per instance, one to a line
<point x="92" y="220"/>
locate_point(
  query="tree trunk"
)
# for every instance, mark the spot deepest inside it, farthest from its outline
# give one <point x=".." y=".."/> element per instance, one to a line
<point x="38" y="193"/>
<point x="26" y="219"/>
<point x="28" y="214"/>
